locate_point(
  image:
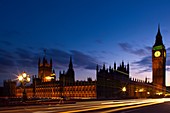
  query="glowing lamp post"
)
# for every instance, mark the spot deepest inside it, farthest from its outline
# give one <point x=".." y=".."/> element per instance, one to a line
<point x="24" y="78"/>
<point x="124" y="89"/>
<point x="124" y="92"/>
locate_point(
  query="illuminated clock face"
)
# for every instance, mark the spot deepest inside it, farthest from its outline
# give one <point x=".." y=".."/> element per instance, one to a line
<point x="157" y="53"/>
<point x="164" y="54"/>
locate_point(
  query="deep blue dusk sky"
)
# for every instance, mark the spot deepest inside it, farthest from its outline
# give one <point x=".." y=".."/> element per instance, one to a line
<point x="91" y="31"/>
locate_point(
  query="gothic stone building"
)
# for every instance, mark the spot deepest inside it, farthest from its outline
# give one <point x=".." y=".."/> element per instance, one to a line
<point x="110" y="82"/>
<point x="159" y="63"/>
<point x="46" y="85"/>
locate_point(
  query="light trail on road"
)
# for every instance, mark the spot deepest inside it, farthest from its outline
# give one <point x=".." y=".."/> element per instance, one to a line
<point x="90" y="106"/>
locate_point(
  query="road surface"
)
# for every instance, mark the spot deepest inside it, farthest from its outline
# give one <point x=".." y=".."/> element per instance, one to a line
<point x="110" y="106"/>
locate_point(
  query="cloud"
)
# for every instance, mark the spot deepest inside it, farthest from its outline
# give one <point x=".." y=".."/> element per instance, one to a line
<point x="130" y="49"/>
<point x="144" y="70"/>
<point x="6" y="61"/>
<point x="168" y="49"/>
<point x="145" y="64"/>
<point x="5" y="54"/>
<point x="168" y="59"/>
<point x="145" y="61"/>
<point x="125" y="46"/>
<point x="60" y="58"/>
<point x="148" y="48"/>
<point x="14" y="62"/>
<point x="83" y="60"/>
<point x="80" y="59"/>
<point x="26" y="58"/>
<point x="7" y="65"/>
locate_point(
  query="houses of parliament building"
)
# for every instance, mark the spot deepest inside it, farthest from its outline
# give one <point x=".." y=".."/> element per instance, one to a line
<point x="111" y="83"/>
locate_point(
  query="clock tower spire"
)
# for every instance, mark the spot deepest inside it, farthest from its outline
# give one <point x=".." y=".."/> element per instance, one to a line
<point x="158" y="40"/>
<point x="158" y="62"/>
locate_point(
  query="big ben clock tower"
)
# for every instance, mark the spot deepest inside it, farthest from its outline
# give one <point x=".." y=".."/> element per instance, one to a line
<point x="158" y="62"/>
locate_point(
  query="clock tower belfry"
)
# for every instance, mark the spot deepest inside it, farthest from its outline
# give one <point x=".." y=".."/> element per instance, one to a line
<point x="158" y="62"/>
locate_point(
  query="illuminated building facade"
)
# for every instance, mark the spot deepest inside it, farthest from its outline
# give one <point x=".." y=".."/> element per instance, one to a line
<point x="45" y="72"/>
<point x="111" y="83"/>
<point x="46" y="86"/>
<point x="139" y="88"/>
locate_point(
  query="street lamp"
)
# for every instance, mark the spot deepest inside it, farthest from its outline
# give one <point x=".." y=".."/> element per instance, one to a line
<point x="124" y="92"/>
<point x="124" y="89"/>
<point x="24" y="78"/>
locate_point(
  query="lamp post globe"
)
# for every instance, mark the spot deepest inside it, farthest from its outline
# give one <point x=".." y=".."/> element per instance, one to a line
<point x="124" y="89"/>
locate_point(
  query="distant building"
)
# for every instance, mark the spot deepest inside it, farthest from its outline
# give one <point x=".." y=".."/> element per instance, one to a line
<point x="2" y="91"/>
<point x="9" y="88"/>
<point x="111" y="83"/>
<point x="45" y="71"/>
<point x="68" y="78"/>
<point x="46" y="85"/>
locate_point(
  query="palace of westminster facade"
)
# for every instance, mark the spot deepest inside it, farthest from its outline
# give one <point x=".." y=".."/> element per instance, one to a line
<point x="111" y="83"/>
